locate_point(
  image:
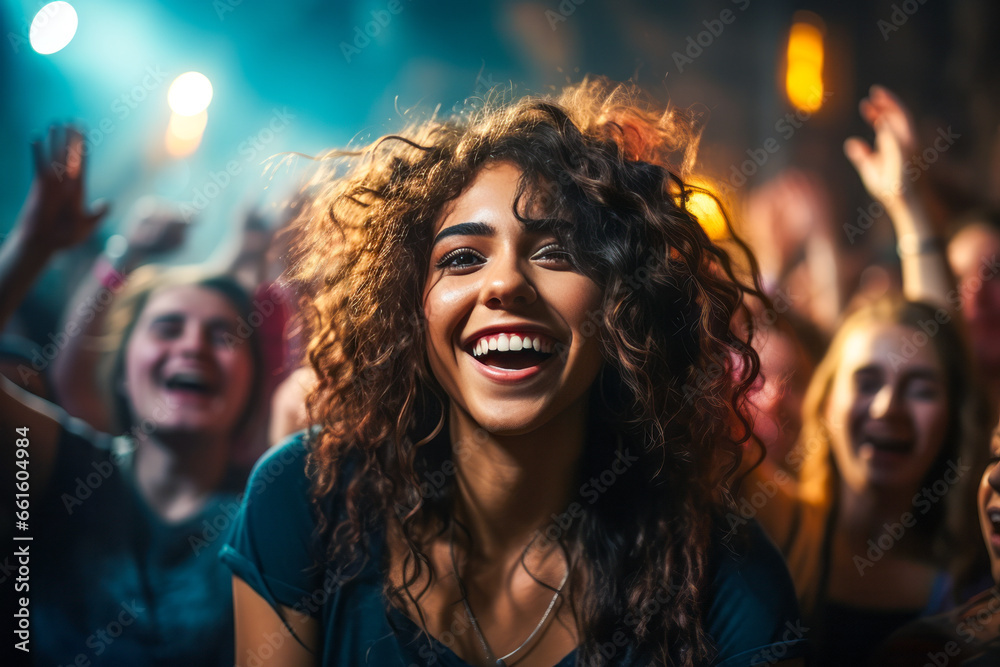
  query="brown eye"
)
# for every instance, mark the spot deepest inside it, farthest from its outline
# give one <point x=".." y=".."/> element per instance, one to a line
<point x="461" y="258"/>
<point x="166" y="329"/>
<point x="868" y="384"/>
<point x="923" y="390"/>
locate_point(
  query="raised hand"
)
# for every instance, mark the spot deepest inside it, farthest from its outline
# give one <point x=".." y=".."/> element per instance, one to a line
<point x="54" y="215"/>
<point x="882" y="168"/>
<point x="782" y="216"/>
<point x="157" y="229"/>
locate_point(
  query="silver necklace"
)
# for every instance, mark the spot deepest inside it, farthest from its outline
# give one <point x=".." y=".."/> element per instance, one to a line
<point x="501" y="661"/>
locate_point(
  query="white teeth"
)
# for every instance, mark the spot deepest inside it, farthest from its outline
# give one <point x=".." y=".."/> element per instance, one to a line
<point x="511" y="343"/>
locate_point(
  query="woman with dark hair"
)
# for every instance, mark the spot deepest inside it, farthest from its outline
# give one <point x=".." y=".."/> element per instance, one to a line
<point x="125" y="528"/>
<point x="528" y="410"/>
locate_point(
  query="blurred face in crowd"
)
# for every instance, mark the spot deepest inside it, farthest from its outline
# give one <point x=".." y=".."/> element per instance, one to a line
<point x="776" y="396"/>
<point x="974" y="254"/>
<point x="989" y="505"/>
<point x="186" y="368"/>
<point x="508" y="330"/>
<point x="888" y="408"/>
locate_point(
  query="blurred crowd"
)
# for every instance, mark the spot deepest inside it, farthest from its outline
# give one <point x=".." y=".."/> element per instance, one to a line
<point x="872" y="466"/>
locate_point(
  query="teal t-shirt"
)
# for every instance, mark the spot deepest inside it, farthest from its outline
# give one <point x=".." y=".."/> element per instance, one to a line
<point x="753" y="616"/>
<point x="112" y="583"/>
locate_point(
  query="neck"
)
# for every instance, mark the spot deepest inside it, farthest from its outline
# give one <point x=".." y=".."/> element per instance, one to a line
<point x="510" y="486"/>
<point x="176" y="479"/>
<point x="863" y="515"/>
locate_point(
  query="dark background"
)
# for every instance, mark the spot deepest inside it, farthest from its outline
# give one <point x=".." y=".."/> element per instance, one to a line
<point x="300" y="57"/>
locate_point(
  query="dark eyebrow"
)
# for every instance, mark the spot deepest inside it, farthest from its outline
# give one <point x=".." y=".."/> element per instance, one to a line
<point x="177" y="318"/>
<point x="168" y="318"/>
<point x="923" y="373"/>
<point x="465" y="229"/>
<point x="222" y="322"/>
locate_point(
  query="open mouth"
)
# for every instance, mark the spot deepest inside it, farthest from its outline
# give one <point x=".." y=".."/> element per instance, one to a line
<point x="993" y="514"/>
<point x="190" y="382"/>
<point x="513" y="351"/>
<point x="889" y="445"/>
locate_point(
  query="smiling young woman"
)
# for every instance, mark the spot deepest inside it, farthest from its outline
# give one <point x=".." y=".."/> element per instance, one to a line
<point x="528" y="410"/>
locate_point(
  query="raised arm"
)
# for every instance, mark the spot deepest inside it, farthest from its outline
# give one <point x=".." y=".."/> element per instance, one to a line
<point x="54" y="217"/>
<point x="886" y="173"/>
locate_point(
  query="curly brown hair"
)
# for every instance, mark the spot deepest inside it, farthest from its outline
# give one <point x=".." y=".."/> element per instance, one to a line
<point x="604" y="165"/>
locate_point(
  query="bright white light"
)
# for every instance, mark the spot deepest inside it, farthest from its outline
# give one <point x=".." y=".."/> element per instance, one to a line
<point x="190" y="94"/>
<point x="53" y="27"/>
<point x="184" y="133"/>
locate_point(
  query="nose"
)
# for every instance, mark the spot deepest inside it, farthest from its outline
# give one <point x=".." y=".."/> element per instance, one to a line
<point x="993" y="476"/>
<point x="507" y="283"/>
<point x="885" y="403"/>
<point x="195" y="341"/>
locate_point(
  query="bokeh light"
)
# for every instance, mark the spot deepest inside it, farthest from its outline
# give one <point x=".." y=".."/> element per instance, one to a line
<point x="190" y="94"/>
<point x="53" y="27"/>
<point x="704" y="204"/>
<point x="804" y="63"/>
<point x="184" y="133"/>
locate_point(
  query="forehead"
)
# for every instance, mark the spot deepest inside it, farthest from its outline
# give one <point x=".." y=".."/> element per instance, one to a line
<point x="893" y="348"/>
<point x="489" y="198"/>
<point x="189" y="301"/>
